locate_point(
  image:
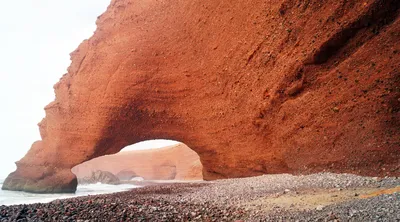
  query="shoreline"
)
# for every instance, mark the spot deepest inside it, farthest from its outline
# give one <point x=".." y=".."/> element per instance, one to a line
<point x="323" y="196"/>
<point x="159" y="182"/>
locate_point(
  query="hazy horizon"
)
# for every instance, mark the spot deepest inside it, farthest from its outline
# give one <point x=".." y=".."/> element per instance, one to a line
<point x="37" y="38"/>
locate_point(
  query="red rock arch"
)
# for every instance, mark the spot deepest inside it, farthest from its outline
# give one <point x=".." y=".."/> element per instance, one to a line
<point x="159" y="161"/>
<point x="252" y="86"/>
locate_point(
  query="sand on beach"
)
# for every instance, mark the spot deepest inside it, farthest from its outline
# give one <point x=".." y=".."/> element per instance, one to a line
<point x="283" y="197"/>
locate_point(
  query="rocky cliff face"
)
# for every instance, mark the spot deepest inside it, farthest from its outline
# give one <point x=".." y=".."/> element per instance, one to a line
<point x="176" y="162"/>
<point x="254" y="87"/>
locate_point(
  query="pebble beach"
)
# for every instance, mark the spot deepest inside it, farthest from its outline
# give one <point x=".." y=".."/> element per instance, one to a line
<point x="284" y="197"/>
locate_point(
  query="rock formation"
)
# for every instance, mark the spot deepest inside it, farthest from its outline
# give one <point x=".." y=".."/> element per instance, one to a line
<point x="254" y="87"/>
<point x="176" y="162"/>
<point x="99" y="176"/>
<point x="122" y="175"/>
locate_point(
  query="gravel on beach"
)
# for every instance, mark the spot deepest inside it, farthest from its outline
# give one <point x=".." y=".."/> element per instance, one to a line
<point x="283" y="197"/>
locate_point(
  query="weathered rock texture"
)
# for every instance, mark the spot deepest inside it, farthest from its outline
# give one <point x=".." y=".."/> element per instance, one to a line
<point x="254" y="87"/>
<point x="176" y="162"/>
<point x="99" y="176"/>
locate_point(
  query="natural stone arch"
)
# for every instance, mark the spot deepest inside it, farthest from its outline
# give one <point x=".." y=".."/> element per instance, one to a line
<point x="259" y="95"/>
<point x="150" y="160"/>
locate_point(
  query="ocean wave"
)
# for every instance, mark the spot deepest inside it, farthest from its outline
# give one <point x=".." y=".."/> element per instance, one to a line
<point x="18" y="197"/>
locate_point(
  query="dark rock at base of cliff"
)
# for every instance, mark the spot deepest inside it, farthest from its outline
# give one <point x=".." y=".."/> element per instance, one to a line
<point x="100" y="176"/>
<point x="126" y="175"/>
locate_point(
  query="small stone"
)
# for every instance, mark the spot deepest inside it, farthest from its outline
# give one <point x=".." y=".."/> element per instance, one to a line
<point x="377" y="179"/>
<point x="352" y="212"/>
<point x="319" y="207"/>
<point x="335" y="109"/>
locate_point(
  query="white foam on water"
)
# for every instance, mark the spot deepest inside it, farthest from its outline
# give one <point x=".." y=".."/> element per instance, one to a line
<point x="17" y="197"/>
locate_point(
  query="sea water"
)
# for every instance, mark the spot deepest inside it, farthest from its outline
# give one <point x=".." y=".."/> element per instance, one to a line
<point x="18" y="197"/>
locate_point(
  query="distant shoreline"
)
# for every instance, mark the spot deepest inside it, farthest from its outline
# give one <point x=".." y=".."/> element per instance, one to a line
<point x="160" y="182"/>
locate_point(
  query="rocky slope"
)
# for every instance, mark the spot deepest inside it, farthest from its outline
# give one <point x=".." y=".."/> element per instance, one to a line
<point x="254" y="87"/>
<point x="176" y="162"/>
<point x="280" y="197"/>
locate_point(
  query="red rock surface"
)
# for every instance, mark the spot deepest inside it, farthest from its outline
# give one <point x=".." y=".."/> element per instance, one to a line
<point x="254" y="87"/>
<point x="177" y="162"/>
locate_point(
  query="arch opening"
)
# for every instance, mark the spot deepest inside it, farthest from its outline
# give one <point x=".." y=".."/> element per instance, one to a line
<point x="144" y="162"/>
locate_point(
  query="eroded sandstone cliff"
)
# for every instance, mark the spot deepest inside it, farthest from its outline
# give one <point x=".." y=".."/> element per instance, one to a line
<point x="254" y="87"/>
<point x="176" y="162"/>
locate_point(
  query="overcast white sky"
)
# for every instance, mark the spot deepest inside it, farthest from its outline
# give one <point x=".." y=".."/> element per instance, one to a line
<point x="36" y="37"/>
